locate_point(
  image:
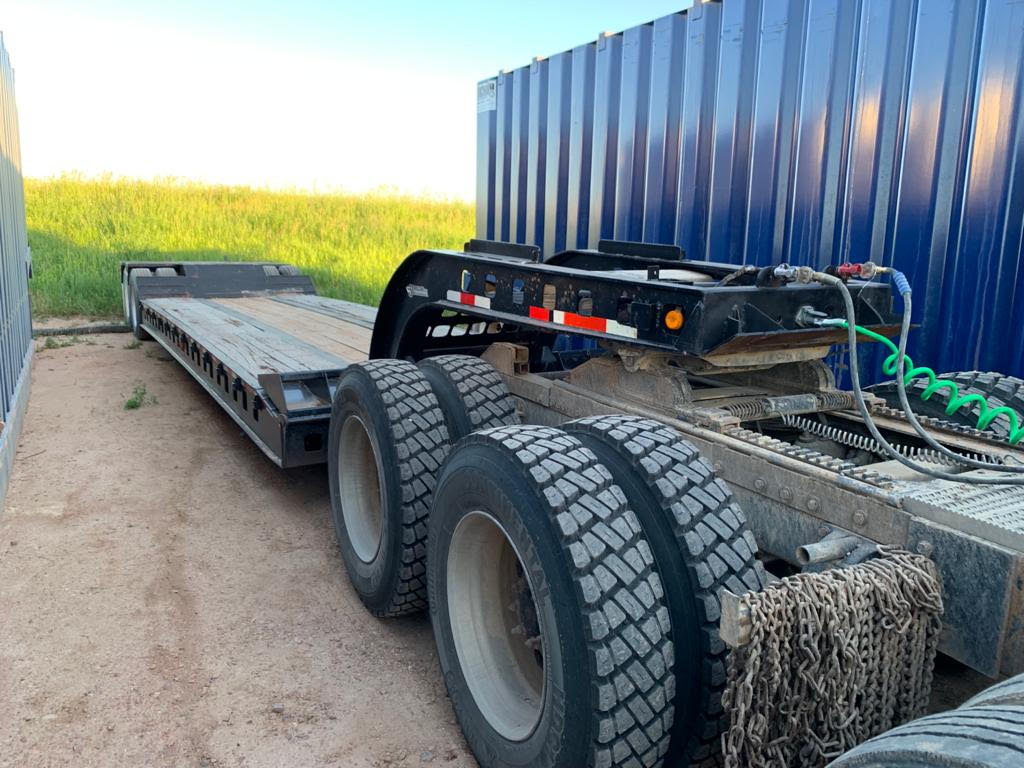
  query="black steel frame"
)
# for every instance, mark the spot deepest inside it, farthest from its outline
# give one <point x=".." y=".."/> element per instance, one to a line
<point x="720" y="319"/>
<point x="448" y="302"/>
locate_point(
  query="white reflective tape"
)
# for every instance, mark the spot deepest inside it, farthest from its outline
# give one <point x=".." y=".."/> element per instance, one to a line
<point x="469" y="299"/>
<point x="618" y="329"/>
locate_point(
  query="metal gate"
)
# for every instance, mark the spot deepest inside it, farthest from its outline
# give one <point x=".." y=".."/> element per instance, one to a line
<point x="15" y="265"/>
<point x="807" y="131"/>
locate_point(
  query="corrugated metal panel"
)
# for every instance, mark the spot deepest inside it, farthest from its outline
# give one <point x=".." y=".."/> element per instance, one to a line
<point x="15" y="310"/>
<point x="807" y="131"/>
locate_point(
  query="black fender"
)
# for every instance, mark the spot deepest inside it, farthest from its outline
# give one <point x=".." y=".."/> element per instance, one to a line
<point x="397" y="305"/>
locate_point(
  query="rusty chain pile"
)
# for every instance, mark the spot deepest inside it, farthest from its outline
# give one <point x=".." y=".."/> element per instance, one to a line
<point x="834" y="658"/>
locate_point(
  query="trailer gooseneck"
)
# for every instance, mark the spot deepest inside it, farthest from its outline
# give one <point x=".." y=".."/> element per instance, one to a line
<point x="582" y="465"/>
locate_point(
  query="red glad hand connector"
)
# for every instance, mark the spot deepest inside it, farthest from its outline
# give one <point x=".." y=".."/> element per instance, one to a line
<point x="846" y="271"/>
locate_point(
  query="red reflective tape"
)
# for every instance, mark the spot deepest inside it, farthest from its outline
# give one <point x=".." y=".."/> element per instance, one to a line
<point x="469" y="299"/>
<point x="598" y="324"/>
<point x="584" y="322"/>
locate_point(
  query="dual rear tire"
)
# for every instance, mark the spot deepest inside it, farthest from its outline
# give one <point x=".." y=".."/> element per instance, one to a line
<point x="471" y="394"/>
<point x="548" y="614"/>
<point x="701" y="545"/>
<point x="572" y="627"/>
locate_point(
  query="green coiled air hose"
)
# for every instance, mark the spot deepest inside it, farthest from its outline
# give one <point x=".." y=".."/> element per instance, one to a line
<point x="986" y="413"/>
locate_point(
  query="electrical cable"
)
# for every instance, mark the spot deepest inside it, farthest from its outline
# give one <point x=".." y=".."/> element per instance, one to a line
<point x="858" y="394"/>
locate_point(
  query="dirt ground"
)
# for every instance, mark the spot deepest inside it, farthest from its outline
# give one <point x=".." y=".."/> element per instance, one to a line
<point x="169" y="597"/>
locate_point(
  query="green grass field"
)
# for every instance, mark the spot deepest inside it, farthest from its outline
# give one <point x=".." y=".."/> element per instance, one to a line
<point x="80" y="230"/>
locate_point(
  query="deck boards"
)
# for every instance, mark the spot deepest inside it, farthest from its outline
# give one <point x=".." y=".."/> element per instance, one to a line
<point x="260" y="334"/>
<point x="360" y="314"/>
<point x="339" y="337"/>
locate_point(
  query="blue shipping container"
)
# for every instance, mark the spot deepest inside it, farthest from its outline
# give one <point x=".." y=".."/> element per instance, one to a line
<point x="806" y="131"/>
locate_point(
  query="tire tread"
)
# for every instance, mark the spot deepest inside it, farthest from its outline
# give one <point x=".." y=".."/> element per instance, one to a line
<point x="481" y="389"/>
<point x="1009" y="691"/>
<point x="717" y="547"/>
<point x="421" y="444"/>
<point x="624" y="616"/>
<point x="997" y="388"/>
<point x="981" y="736"/>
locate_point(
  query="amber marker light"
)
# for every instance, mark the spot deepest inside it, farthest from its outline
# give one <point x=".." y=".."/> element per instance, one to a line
<point x="674" y="319"/>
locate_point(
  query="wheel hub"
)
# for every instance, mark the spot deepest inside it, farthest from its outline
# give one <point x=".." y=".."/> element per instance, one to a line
<point x="498" y="633"/>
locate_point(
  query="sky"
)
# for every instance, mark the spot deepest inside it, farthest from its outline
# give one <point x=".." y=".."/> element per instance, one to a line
<point x="307" y="94"/>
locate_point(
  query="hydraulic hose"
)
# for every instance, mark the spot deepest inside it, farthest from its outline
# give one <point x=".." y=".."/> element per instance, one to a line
<point x="858" y="394"/>
<point x="901" y="390"/>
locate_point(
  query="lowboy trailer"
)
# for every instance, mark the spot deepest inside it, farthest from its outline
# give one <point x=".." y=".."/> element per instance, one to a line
<point x="582" y="465"/>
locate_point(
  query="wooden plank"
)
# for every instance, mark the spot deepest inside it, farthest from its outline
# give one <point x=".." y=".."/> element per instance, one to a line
<point x="281" y="344"/>
<point x="330" y="334"/>
<point x="360" y="314"/>
<point x="249" y="348"/>
<point x="201" y="324"/>
<point x="310" y="317"/>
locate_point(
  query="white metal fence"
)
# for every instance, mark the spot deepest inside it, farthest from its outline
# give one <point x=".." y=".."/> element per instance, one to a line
<point x="15" y="265"/>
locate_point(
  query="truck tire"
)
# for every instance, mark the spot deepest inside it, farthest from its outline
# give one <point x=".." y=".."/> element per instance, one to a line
<point x="1010" y="691"/>
<point x="995" y="387"/>
<point x="701" y="544"/>
<point x="270" y="270"/>
<point x="471" y="392"/>
<point x="166" y="272"/>
<point x="386" y="444"/>
<point x="979" y="737"/>
<point x="133" y="308"/>
<point x="549" y="618"/>
<point x="288" y="270"/>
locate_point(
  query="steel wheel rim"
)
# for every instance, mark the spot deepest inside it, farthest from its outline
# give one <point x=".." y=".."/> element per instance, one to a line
<point x="498" y="634"/>
<point x="362" y="499"/>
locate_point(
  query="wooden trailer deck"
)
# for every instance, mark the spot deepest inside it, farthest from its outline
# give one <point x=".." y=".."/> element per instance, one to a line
<point x="256" y="335"/>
